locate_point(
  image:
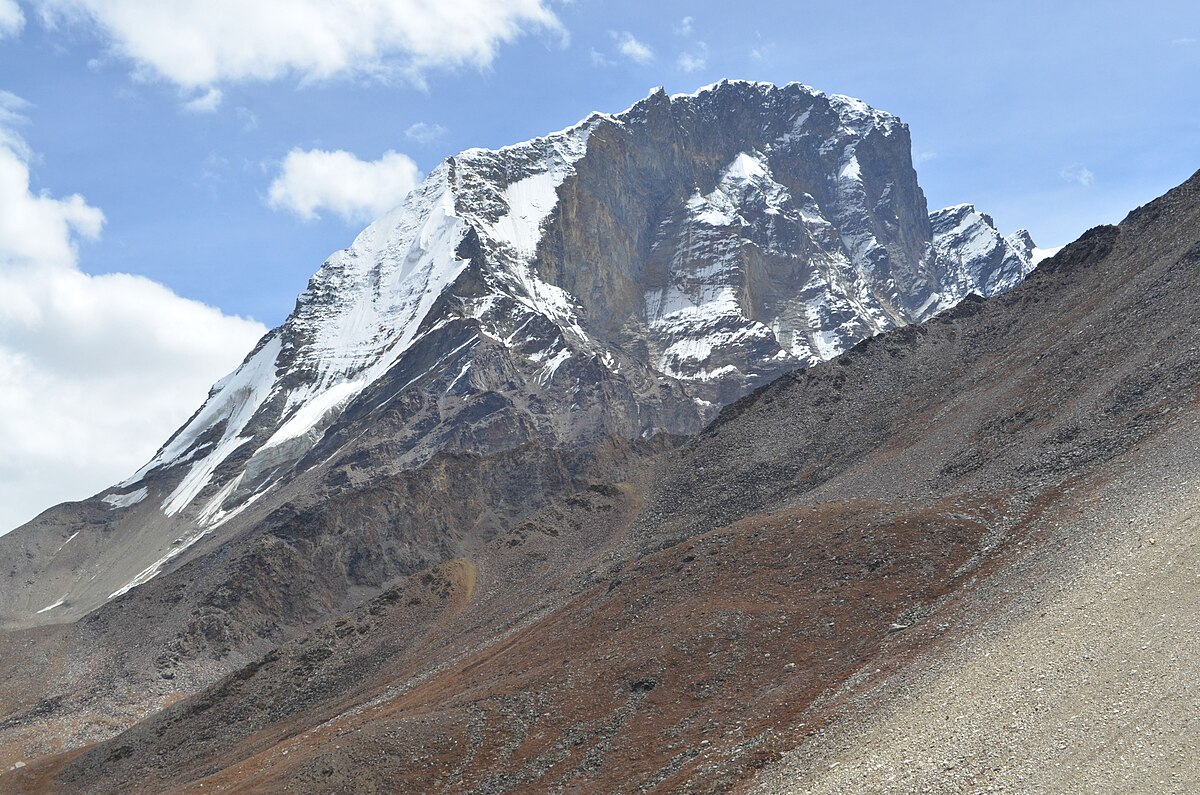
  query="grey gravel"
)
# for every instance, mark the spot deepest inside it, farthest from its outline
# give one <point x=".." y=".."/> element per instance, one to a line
<point x="1086" y="682"/>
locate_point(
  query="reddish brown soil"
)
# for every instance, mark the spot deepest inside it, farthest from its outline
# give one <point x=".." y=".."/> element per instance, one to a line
<point x="687" y="670"/>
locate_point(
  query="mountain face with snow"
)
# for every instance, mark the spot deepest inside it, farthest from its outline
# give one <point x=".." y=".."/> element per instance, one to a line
<point x="626" y="276"/>
<point x="976" y="257"/>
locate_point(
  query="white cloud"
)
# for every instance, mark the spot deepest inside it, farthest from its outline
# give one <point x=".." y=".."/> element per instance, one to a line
<point x="201" y="43"/>
<point x="35" y="230"/>
<point x="1078" y="174"/>
<point x="685" y="26"/>
<point x="338" y="181"/>
<point x="95" y="371"/>
<point x="633" y="49"/>
<point x="600" y="59"/>
<point x="11" y="18"/>
<point x="10" y="109"/>
<point x="925" y="157"/>
<point x="248" y="118"/>
<point x="207" y="102"/>
<point x="424" y="133"/>
<point x="693" y="61"/>
<point x="762" y="51"/>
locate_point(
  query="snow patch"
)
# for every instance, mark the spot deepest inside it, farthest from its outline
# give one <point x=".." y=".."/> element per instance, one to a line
<point x="150" y="572"/>
<point x="312" y="410"/>
<point x="530" y="201"/>
<point x="851" y="170"/>
<point x="361" y="312"/>
<point x="50" y="607"/>
<point x="461" y="373"/>
<point x="546" y="374"/>
<point x="124" y="500"/>
<point x="747" y="167"/>
<point x="240" y="399"/>
<point x="1040" y="254"/>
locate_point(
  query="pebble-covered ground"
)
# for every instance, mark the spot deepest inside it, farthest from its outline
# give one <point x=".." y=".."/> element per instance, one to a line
<point x="1087" y="682"/>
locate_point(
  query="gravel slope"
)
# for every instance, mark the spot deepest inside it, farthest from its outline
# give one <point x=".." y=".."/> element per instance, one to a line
<point x="1087" y="681"/>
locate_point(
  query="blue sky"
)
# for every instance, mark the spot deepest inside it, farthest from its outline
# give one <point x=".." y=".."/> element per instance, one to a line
<point x="174" y="118"/>
<point x="1006" y="103"/>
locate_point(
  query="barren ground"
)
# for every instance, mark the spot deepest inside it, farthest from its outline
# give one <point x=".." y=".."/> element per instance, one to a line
<point x="1086" y="681"/>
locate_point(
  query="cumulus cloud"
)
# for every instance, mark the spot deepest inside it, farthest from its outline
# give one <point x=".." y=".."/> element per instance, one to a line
<point x="357" y="190"/>
<point x="1081" y="175"/>
<point x="201" y="43"/>
<point x="95" y="371"/>
<point x="35" y="230"/>
<point x="633" y="49"/>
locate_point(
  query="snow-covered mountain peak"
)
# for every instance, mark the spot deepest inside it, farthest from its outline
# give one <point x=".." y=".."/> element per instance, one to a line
<point x="861" y="117"/>
<point x="1022" y="242"/>
<point x="853" y="115"/>
<point x="977" y="257"/>
<point x="628" y="274"/>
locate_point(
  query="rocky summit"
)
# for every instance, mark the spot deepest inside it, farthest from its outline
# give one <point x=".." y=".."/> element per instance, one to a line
<point x="483" y="429"/>
<point x="624" y="277"/>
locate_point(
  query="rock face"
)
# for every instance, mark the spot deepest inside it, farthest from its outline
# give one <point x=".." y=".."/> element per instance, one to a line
<point x="625" y="276"/>
<point x="976" y="257"/>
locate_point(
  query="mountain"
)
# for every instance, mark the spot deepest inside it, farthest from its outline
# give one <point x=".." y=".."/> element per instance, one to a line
<point x="634" y="272"/>
<point x="977" y="259"/>
<point x="474" y="404"/>
<point x="788" y="581"/>
<point x="626" y="276"/>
